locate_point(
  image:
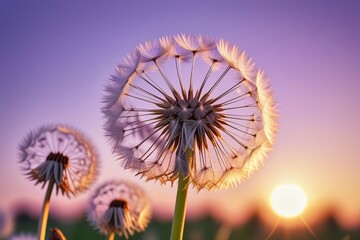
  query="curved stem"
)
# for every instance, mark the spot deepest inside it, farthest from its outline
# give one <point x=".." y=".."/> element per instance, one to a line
<point x="45" y="212"/>
<point x="111" y="236"/>
<point x="177" y="228"/>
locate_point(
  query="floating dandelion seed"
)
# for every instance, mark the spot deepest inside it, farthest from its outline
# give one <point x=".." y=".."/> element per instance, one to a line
<point x="60" y="154"/>
<point x="119" y="207"/>
<point x="190" y="93"/>
<point x="57" y="154"/>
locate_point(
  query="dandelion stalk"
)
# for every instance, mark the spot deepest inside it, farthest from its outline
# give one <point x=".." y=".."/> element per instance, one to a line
<point x="177" y="228"/>
<point x="45" y="212"/>
<point x="112" y="236"/>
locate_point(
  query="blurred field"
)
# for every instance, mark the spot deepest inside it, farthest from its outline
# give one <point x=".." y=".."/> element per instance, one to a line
<point x="202" y="229"/>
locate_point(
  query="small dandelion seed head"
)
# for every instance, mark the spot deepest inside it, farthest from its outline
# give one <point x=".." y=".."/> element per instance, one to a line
<point x="60" y="154"/>
<point x="198" y="94"/>
<point x="119" y="207"/>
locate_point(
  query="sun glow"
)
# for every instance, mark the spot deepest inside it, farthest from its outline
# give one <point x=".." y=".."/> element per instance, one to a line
<point x="288" y="200"/>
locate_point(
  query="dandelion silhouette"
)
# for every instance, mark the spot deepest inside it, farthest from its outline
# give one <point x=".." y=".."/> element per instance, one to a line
<point x="60" y="155"/>
<point x="191" y="109"/>
<point x="119" y="207"/>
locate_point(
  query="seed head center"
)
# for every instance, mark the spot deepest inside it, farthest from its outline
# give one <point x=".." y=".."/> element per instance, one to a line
<point x="58" y="157"/>
<point x="191" y="109"/>
<point x="118" y="203"/>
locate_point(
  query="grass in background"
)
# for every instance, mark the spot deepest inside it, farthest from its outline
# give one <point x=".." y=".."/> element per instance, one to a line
<point x="202" y="229"/>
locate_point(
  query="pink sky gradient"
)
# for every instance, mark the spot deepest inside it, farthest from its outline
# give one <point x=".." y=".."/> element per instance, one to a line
<point x="56" y="57"/>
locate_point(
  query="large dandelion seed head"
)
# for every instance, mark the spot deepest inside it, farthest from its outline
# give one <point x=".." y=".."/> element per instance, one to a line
<point x="60" y="154"/>
<point x="120" y="207"/>
<point x="190" y="94"/>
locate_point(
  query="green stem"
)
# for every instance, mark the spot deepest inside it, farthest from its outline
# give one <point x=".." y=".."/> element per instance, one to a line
<point x="45" y="212"/>
<point x="177" y="228"/>
<point x="111" y="236"/>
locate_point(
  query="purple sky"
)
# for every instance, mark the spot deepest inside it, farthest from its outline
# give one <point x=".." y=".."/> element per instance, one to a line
<point x="56" y="57"/>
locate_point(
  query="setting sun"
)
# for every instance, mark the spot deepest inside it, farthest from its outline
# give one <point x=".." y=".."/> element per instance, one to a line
<point x="288" y="200"/>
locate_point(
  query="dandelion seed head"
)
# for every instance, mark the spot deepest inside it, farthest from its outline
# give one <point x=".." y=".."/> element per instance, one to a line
<point x="120" y="207"/>
<point x="61" y="154"/>
<point x="193" y="93"/>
